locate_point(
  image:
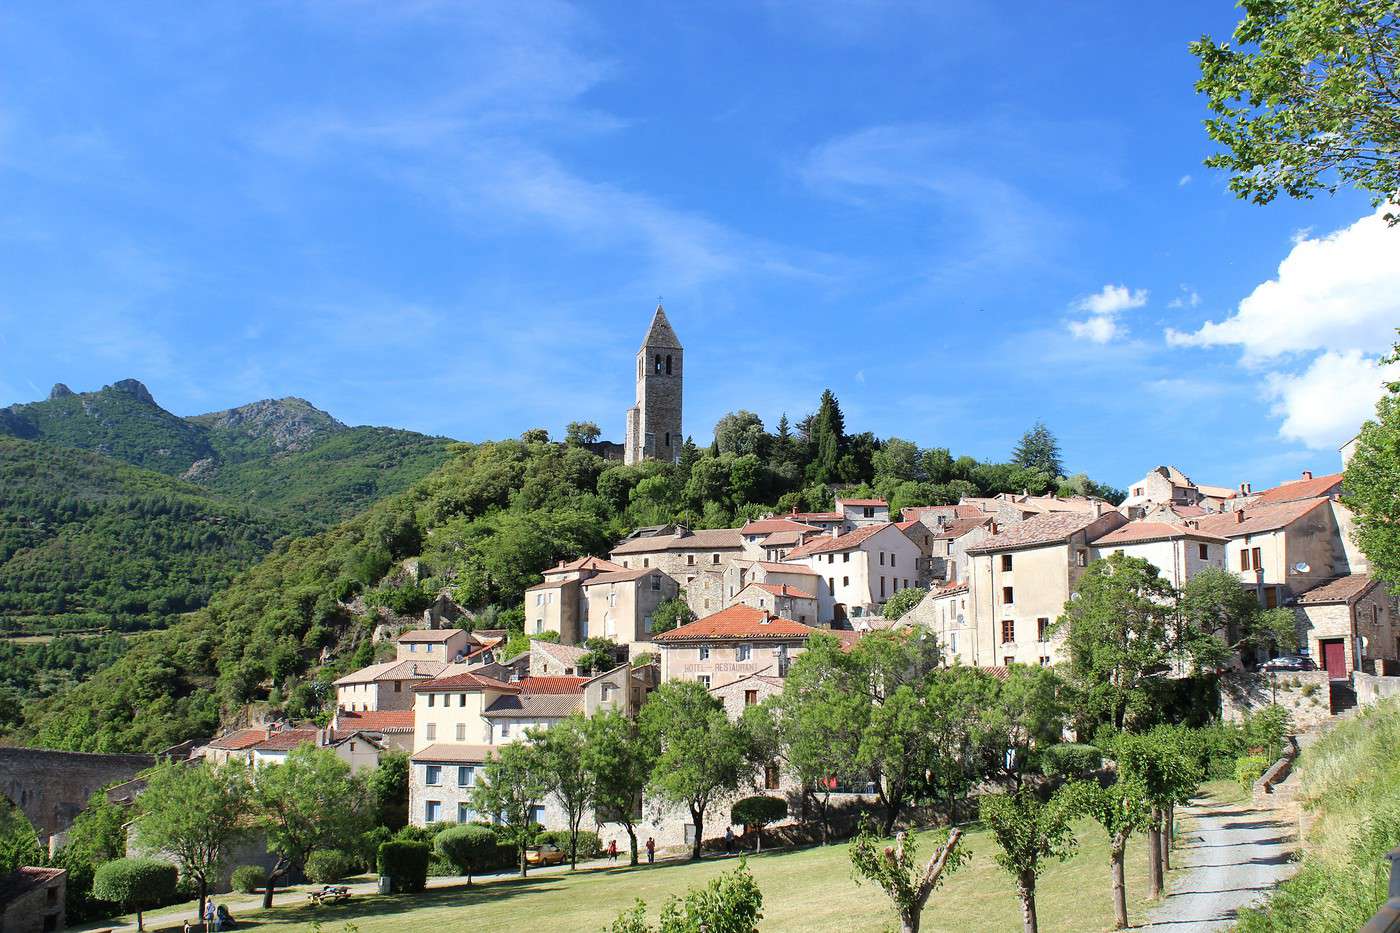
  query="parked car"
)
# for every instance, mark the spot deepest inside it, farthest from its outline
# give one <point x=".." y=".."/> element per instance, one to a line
<point x="1289" y="663"/>
<point x="545" y="855"/>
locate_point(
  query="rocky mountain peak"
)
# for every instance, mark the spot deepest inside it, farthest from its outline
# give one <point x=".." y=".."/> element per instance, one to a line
<point x="60" y="390"/>
<point x="136" y="388"/>
<point x="286" y="424"/>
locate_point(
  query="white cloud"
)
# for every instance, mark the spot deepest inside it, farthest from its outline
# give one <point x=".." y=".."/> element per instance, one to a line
<point x="1339" y="292"/>
<point x="1104" y="306"/>
<point x="1183" y="181"/>
<point x="1319" y="327"/>
<point x="1323" y="405"/>
<point x="1189" y="298"/>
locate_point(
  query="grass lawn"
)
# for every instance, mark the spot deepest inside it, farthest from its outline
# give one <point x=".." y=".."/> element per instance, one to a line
<point x="808" y="889"/>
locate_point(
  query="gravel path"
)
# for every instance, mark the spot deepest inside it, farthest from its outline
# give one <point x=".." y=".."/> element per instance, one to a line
<point x="1230" y="855"/>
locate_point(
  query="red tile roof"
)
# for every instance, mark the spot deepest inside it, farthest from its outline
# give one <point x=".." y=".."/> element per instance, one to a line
<point x="702" y="539"/>
<point x="584" y="563"/>
<point x="237" y="741"/>
<point x="1339" y="590"/>
<point x="774" y="567"/>
<point x="1257" y="519"/>
<point x="429" y="634"/>
<point x="559" y="684"/>
<point x="767" y="526"/>
<point x="1049" y="528"/>
<point x="459" y="683"/>
<point x="464" y="754"/>
<point x="820" y="516"/>
<point x="1300" y="489"/>
<point x="875" y="502"/>
<point x="535" y="706"/>
<point x="1138" y="532"/>
<point x="844" y="542"/>
<point x="384" y="720"/>
<point x="286" y="740"/>
<point x="961" y="526"/>
<point x="782" y="589"/>
<point x="739" y="622"/>
<point x="620" y="576"/>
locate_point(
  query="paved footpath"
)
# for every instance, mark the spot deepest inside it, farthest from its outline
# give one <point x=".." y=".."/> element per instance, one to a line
<point x="1230" y="855"/>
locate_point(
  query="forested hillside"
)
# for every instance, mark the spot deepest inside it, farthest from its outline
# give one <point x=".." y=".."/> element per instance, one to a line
<point x="484" y="525"/>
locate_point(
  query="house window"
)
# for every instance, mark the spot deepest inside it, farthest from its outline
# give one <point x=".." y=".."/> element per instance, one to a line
<point x="537" y="814"/>
<point x="461" y="699"/>
<point x="434" y="775"/>
<point x="882" y="586"/>
<point x="1271" y="599"/>
<point x="846" y="557"/>
<point x="1042" y="629"/>
<point x="845" y="581"/>
<point x="892" y="559"/>
<point x="461" y="732"/>
<point x="432" y="811"/>
<point x="1081" y="558"/>
<point x="704" y="680"/>
<point x="412" y="648"/>
<point x="432" y="699"/>
<point x="1008" y="595"/>
<point x="770" y="776"/>
<point x="1008" y="631"/>
<point x="704" y="652"/>
<point x="831" y="583"/>
<point x="658" y="362"/>
<point x="882" y="558"/>
<point x="1244" y="559"/>
<point x="646" y="561"/>
<point x="655" y="582"/>
<point x="743" y="652"/>
<point x="464" y="813"/>
<point x="831" y="558"/>
<point x="714" y="558"/>
<point x="505" y="729"/>
<point x="465" y="774"/>
<point x="646" y="623"/>
<point x="1006" y="562"/>
<point x="750" y="697"/>
<point x="1044" y="660"/>
<point x="690" y="560"/>
<point x="430" y="731"/>
<point x="1008" y="660"/>
<point x="668" y="433"/>
<point x="668" y="367"/>
<point x="1258" y="561"/>
<point x="398" y="686"/>
<point x="1203" y="551"/>
<point x="869" y="511"/>
<point x="953" y="643"/>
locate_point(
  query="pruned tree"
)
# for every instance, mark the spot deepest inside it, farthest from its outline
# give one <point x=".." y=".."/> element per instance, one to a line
<point x="467" y="847"/>
<point x="896" y="870"/>
<point x="1121" y="809"/>
<point x="512" y="782"/>
<point x="1030" y="833"/>
<point x="135" y="884"/>
<point x="731" y="903"/>
<point x="758" y="811"/>
<point x="620" y="762"/>
<point x="565" y="772"/>
<point x="1158" y="764"/>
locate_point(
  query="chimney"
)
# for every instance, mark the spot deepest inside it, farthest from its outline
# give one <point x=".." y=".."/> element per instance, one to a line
<point x="1239" y="516"/>
<point x="992" y="527"/>
<point x="1307" y="475"/>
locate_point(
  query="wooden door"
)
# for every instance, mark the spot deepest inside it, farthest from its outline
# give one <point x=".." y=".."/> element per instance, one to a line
<point x="1334" y="658"/>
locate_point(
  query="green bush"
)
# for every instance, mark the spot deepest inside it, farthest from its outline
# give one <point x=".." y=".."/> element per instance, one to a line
<point x="589" y="845"/>
<point x="469" y="849"/>
<point x="248" y="879"/>
<point x="1265" y="730"/>
<point x="327" y="866"/>
<point x="1070" y="759"/>
<point x="406" y="864"/>
<point x="135" y="883"/>
<point x="1251" y="768"/>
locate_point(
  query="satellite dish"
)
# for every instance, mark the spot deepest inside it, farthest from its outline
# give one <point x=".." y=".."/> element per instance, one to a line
<point x="1302" y="566"/>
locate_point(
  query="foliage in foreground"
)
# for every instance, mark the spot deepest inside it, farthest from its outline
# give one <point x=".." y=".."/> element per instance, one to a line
<point x="731" y="903"/>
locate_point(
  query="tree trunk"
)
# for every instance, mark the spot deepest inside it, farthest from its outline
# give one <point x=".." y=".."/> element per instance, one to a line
<point x="909" y="922"/>
<point x="698" y="816"/>
<point x="1026" y="888"/>
<point x="278" y="870"/>
<point x="203" y="896"/>
<point x="758" y="839"/>
<point x="1154" y="856"/>
<point x="632" y="839"/>
<point x="1120" y="890"/>
<point x="1168" y="836"/>
<point x="524" y="865"/>
<point x="140" y="924"/>
<point x="893" y="803"/>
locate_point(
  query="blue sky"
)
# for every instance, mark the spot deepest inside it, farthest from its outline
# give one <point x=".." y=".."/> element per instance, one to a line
<point x="457" y="218"/>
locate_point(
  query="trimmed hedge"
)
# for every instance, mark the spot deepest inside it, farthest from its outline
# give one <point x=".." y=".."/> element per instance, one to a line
<point x="327" y="866"/>
<point x="1070" y="759"/>
<point x="248" y="879"/>
<point x="469" y="848"/>
<point x="589" y="845"/>
<point x="406" y="864"/>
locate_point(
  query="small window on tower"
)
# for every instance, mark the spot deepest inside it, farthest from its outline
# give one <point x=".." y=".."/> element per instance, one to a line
<point x="668" y="364"/>
<point x="658" y="362"/>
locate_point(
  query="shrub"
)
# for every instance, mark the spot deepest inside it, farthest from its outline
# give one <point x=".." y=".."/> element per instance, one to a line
<point x="1309" y="689"/>
<point x="406" y="864"/>
<point x="1266" y="729"/>
<point x="135" y="883"/>
<point x="1251" y="768"/>
<point x="327" y="866"/>
<point x="1070" y="759"/>
<point x="248" y="879"/>
<point x="469" y="849"/>
<point x="589" y="845"/>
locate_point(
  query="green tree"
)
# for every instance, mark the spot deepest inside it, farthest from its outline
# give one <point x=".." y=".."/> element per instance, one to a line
<point x="565" y="772"/>
<point x="1219" y="619"/>
<point x="136" y="884"/>
<point x="388" y="789"/>
<point x="1030" y="834"/>
<point x="740" y="433"/>
<point x="758" y="812"/>
<point x="1305" y="99"/>
<point x="1118" y="623"/>
<point x="582" y="432"/>
<point x="1158" y="764"/>
<point x="1371" y="485"/>
<point x="700" y="753"/>
<point x="671" y="613"/>
<point x="1027" y="716"/>
<point x="896" y="870"/>
<point x="195" y="815"/>
<point x="731" y="903"/>
<point x="1039" y="450"/>
<point x="1121" y="809"/>
<point x="19" y="842"/>
<point x="620" y="763"/>
<point x="827" y="439"/>
<point x="310" y="801"/>
<point x="511" y="785"/>
<point x="468" y="848"/>
<point x="600" y="657"/>
<point x="899" y="605"/>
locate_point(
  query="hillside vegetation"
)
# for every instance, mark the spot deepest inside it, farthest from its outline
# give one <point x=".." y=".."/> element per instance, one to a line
<point x="483" y="526"/>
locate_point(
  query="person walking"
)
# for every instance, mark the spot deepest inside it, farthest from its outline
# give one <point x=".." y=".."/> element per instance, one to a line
<point x="612" y="850"/>
<point x="210" y="916"/>
<point x="729" y="840"/>
<point x="651" y="850"/>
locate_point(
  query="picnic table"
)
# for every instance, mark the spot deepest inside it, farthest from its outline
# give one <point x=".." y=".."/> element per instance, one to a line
<point x="330" y="894"/>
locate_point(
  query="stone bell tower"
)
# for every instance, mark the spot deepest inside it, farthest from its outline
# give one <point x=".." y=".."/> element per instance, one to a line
<point x="654" y="423"/>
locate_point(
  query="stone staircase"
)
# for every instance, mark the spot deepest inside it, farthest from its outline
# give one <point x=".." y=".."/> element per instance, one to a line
<point x="1343" y="696"/>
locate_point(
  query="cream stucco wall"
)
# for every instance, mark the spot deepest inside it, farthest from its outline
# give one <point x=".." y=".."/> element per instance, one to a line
<point x="862" y="578"/>
<point x="1179" y="559"/>
<point x="437" y="716"/>
<point x="622" y="610"/>
<point x="720" y="661"/>
<point x="1039" y="579"/>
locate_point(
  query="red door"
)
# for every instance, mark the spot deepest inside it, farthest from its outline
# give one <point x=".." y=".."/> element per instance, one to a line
<point x="1334" y="658"/>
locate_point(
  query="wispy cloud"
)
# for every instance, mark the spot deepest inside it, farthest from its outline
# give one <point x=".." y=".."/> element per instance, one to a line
<point x="1104" y="306"/>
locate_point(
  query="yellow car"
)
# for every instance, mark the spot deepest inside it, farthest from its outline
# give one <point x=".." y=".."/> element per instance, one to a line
<point x="545" y="855"/>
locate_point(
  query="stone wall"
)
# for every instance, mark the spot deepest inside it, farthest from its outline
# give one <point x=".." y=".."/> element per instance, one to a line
<point x="1372" y="689"/>
<point x="1305" y="695"/>
<point x="53" y="787"/>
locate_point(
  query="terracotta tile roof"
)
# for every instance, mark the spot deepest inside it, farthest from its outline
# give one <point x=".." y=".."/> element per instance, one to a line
<point x="738" y="622"/>
<point x="961" y="526"/>
<point x="429" y="634"/>
<point x="847" y="637"/>
<point x="1339" y="589"/>
<point x="1050" y="528"/>
<point x="534" y="706"/>
<point x="820" y="516"/>
<point x="1216" y="492"/>
<point x="22" y="880"/>
<point x="878" y="503"/>
<point x="561" y="684"/>
<point x="456" y="754"/>
<point x="237" y="741"/>
<point x="703" y="539"/>
<point x="286" y="739"/>
<point x="621" y="576"/>
<point x="948" y="589"/>
<point x="1257" y="519"/>
<point x="1137" y="532"/>
<point x="850" y="539"/>
<point x="768" y="526"/>
<point x="393" y="670"/>
<point x="777" y="567"/>
<point x="564" y="654"/>
<point x="782" y="589"/>
<point x="780" y="538"/>
<point x="459" y="683"/>
<point x="584" y="563"/>
<point x="549" y="585"/>
<point x="384" y="720"/>
<point x="1300" y="489"/>
<point x="1190" y="511"/>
